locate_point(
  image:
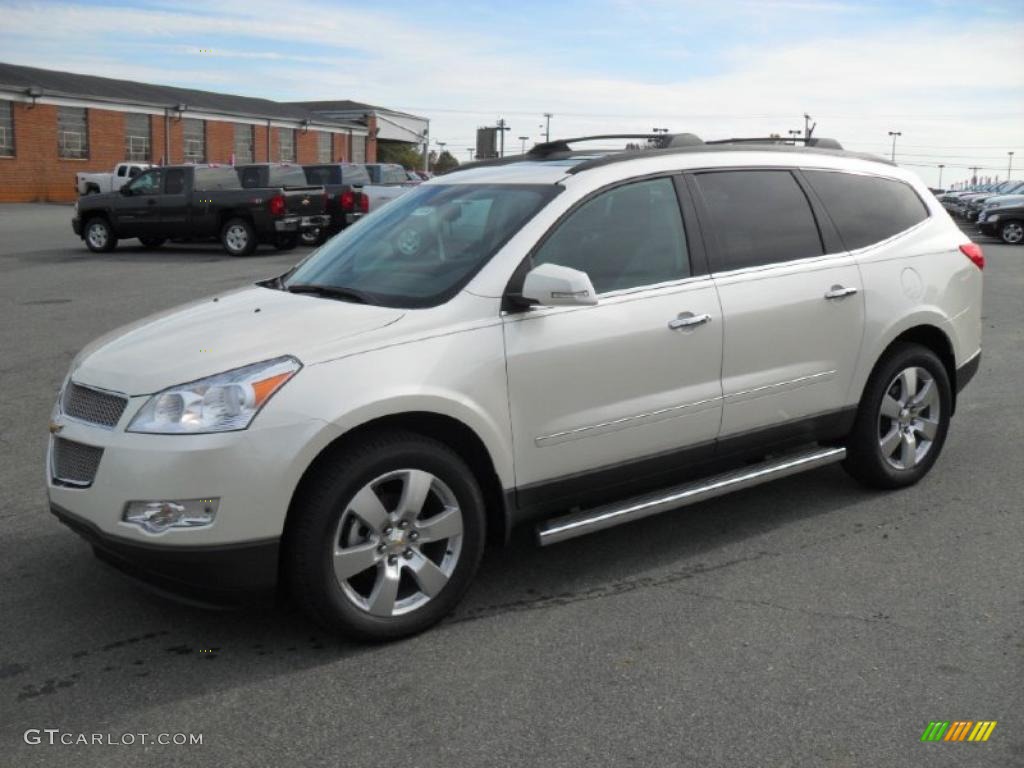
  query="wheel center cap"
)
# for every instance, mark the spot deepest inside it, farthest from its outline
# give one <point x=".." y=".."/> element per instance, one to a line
<point x="396" y="540"/>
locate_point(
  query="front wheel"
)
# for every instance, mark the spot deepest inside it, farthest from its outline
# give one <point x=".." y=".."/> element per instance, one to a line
<point x="1012" y="232"/>
<point x="902" y="419"/>
<point x="99" y="236"/>
<point x="238" y="237"/>
<point x="385" y="539"/>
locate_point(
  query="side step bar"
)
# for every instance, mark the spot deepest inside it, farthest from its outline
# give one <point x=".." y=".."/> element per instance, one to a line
<point x="609" y="515"/>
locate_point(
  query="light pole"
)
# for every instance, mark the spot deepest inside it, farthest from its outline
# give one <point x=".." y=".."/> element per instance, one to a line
<point x="470" y="150"/>
<point x="547" y="126"/>
<point x="502" y="127"/>
<point x="442" y="145"/>
<point x="1009" y="165"/>
<point x="808" y="128"/>
<point x="795" y="132"/>
<point x="523" y="139"/>
<point x="894" y="134"/>
<point x="941" y="166"/>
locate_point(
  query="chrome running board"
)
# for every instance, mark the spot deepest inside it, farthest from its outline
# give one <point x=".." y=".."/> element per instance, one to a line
<point x="609" y="515"/>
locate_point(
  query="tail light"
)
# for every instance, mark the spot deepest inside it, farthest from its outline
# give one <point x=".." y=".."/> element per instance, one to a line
<point x="364" y="203"/>
<point x="348" y="201"/>
<point x="973" y="252"/>
<point x="277" y="205"/>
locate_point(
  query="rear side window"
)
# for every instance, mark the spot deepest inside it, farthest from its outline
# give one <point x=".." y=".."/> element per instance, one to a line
<point x="174" y="183"/>
<point x="867" y="209"/>
<point x="758" y="218"/>
<point x="250" y="177"/>
<point x="215" y="178"/>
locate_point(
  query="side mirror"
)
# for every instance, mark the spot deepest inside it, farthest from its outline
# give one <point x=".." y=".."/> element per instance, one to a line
<point x="551" y="285"/>
<point x="126" y="191"/>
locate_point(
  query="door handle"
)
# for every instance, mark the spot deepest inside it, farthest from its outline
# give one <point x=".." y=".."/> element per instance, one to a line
<point x="151" y="201"/>
<point x="838" y="292"/>
<point x="688" y="320"/>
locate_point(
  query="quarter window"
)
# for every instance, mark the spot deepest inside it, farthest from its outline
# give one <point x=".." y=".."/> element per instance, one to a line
<point x="758" y="218"/>
<point x="72" y="133"/>
<point x="627" y="237"/>
<point x="136" y="137"/>
<point x="195" y="140"/>
<point x="867" y="209"/>
<point x="6" y="129"/>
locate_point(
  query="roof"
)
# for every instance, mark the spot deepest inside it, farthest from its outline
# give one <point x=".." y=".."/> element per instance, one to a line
<point x="345" y="105"/>
<point x="73" y="85"/>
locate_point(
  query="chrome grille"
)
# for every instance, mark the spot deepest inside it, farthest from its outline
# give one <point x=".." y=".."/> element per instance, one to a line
<point x="92" y="405"/>
<point x="75" y="463"/>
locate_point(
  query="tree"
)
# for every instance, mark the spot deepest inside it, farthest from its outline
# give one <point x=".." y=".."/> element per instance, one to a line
<point x="406" y="155"/>
<point x="445" y="162"/>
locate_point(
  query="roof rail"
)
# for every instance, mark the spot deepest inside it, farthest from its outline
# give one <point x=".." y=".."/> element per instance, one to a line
<point x="812" y="141"/>
<point x="657" y="140"/>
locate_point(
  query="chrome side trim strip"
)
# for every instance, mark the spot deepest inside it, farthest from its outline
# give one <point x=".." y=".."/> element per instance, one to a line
<point x="625" y="421"/>
<point x="609" y="515"/>
<point x="788" y="384"/>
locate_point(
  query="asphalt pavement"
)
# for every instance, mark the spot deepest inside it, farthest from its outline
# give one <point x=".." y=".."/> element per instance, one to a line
<point x="805" y="622"/>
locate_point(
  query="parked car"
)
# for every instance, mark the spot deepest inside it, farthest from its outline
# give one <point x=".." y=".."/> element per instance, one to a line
<point x="976" y="202"/>
<point x="387" y="182"/>
<point x="197" y="202"/>
<point x="574" y="341"/>
<point x="1004" y="218"/>
<point x="101" y="183"/>
<point x="346" y="202"/>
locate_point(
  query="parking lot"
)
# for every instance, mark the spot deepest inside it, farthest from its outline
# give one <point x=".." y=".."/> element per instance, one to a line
<point x="804" y="622"/>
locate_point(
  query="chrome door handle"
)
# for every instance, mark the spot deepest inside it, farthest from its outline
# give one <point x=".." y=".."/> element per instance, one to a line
<point x="838" y="292"/>
<point x="688" y="320"/>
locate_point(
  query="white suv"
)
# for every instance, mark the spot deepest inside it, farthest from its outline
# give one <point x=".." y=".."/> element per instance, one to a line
<point x="570" y="339"/>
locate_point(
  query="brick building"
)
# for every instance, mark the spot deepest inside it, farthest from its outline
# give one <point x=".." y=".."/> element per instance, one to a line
<point x="56" y="124"/>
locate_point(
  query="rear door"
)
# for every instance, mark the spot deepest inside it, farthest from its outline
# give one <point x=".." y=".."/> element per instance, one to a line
<point x="792" y="303"/>
<point x="173" y="205"/>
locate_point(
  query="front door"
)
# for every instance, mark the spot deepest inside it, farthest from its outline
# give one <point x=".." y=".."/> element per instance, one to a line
<point x="137" y="213"/>
<point x="605" y="392"/>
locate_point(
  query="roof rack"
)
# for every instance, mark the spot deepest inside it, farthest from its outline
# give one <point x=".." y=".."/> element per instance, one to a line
<point x="810" y="141"/>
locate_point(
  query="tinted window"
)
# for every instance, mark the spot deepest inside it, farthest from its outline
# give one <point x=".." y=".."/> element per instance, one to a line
<point x="175" y="181"/>
<point x="626" y="237"/>
<point x="757" y="218"/>
<point x="322" y="174"/>
<point x="867" y="209"/>
<point x="394" y="174"/>
<point x="287" y="176"/>
<point x="147" y="183"/>
<point x="423" y="246"/>
<point x="121" y="169"/>
<point x="355" y="175"/>
<point x="250" y="177"/>
<point x="215" y="178"/>
<point x="134" y="171"/>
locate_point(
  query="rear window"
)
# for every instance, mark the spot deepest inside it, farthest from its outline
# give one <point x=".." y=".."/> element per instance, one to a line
<point x="867" y="209"/>
<point x="758" y="218"/>
<point x="355" y="175"/>
<point x="250" y="177"/>
<point x="215" y="178"/>
<point x="322" y="174"/>
<point x="287" y="176"/>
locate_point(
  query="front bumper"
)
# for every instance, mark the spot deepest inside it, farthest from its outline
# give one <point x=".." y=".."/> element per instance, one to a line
<point x="76" y="226"/>
<point x="300" y="223"/>
<point x="210" y="575"/>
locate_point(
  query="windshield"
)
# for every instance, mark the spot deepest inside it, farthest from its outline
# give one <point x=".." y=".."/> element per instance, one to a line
<point x="421" y="248"/>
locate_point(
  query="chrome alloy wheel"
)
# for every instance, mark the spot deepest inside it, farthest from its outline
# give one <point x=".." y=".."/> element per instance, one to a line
<point x="1012" y="233"/>
<point x="98" y="234"/>
<point x="237" y="238"/>
<point x="909" y="418"/>
<point x="397" y="542"/>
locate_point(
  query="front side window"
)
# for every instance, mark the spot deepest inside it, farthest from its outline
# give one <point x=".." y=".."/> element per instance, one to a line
<point x="286" y="143"/>
<point x="136" y="137"/>
<point x="627" y="237"/>
<point x="758" y="218"/>
<point x="420" y="249"/>
<point x="867" y="209"/>
<point x="72" y="133"/>
<point x="195" y="140"/>
<point x="6" y="129"/>
<point x="323" y="147"/>
<point x="245" y="142"/>
<point x="147" y="183"/>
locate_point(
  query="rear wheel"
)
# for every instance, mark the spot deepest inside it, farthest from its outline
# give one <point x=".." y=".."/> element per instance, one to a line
<point x="314" y="237"/>
<point x="152" y="242"/>
<point x="385" y="540"/>
<point x="238" y="237"/>
<point x="902" y="419"/>
<point x="99" y="236"/>
<point x="1012" y="232"/>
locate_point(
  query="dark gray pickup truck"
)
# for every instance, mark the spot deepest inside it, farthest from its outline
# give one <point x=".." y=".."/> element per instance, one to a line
<point x="199" y="202"/>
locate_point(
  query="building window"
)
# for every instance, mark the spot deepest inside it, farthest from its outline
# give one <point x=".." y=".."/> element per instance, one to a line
<point x="323" y="147"/>
<point x="6" y="129"/>
<point x="195" y="140"/>
<point x="245" y="143"/>
<point x="358" y="149"/>
<point x="286" y="143"/>
<point x="136" y="137"/>
<point x="72" y="133"/>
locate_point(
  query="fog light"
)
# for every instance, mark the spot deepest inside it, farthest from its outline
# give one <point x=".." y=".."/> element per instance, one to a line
<point x="158" y="516"/>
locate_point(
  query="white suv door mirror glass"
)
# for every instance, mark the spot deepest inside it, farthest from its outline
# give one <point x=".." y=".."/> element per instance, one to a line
<point x="552" y="285"/>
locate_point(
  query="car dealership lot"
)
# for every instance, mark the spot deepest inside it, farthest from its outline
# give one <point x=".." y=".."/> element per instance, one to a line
<point x="804" y="622"/>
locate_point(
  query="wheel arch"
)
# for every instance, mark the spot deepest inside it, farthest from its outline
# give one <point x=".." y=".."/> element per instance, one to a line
<point x="931" y="337"/>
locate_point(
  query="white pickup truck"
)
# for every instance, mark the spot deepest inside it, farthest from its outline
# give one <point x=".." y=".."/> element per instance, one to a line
<point x="97" y="183"/>
<point x="387" y="181"/>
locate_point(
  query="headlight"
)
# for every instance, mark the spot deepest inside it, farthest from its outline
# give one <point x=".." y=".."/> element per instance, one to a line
<point x="223" y="403"/>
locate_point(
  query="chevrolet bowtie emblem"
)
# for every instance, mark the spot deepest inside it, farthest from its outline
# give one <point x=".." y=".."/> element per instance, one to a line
<point x="305" y="201"/>
<point x="55" y="427"/>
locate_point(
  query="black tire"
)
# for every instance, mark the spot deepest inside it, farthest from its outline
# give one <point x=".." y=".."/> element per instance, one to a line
<point x="286" y="242"/>
<point x="1012" y="232"/>
<point x="152" y="242"/>
<point x="238" y="237"/>
<point x="865" y="456"/>
<point x="316" y="519"/>
<point x="313" y="238"/>
<point x="99" y="235"/>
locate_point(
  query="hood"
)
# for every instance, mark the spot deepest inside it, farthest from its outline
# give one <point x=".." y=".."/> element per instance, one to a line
<point x="219" y="333"/>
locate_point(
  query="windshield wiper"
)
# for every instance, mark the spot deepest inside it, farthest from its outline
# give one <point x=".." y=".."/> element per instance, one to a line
<point x="330" y="292"/>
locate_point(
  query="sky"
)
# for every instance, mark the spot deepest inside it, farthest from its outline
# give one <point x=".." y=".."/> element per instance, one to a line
<point x="949" y="75"/>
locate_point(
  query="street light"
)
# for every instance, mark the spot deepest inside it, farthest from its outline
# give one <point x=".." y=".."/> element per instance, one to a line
<point x="524" y="139"/>
<point x="894" y="134"/>
<point x="941" y="166"/>
<point x="547" y="126"/>
<point x="1009" y="166"/>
